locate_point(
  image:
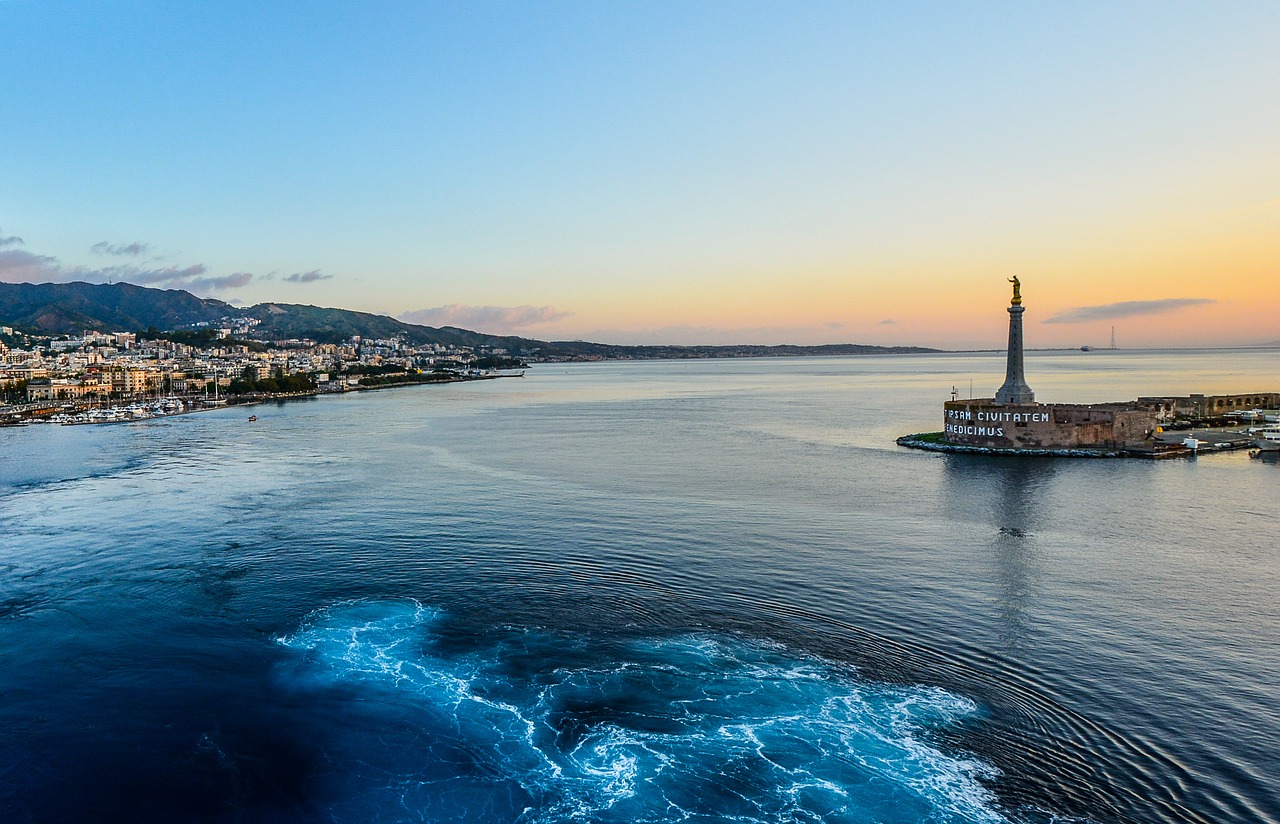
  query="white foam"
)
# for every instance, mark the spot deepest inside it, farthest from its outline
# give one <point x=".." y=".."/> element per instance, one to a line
<point x="745" y="730"/>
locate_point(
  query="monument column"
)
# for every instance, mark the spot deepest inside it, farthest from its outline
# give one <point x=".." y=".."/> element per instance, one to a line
<point x="1015" y="389"/>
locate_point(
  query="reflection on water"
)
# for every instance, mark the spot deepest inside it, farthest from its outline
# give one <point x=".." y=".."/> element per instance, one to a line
<point x="1009" y="494"/>
<point x="1020" y="497"/>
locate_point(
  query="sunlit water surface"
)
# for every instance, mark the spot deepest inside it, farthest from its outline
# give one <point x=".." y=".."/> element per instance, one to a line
<point x="652" y="591"/>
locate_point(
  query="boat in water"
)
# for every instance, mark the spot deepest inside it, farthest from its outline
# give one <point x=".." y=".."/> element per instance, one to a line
<point x="1267" y="440"/>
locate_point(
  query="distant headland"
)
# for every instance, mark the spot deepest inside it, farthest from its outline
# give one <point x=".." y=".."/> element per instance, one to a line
<point x="62" y="310"/>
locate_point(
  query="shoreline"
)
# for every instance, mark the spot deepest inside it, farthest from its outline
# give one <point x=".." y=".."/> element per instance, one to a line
<point x="932" y="442"/>
<point x="925" y="441"/>
<point x="197" y="404"/>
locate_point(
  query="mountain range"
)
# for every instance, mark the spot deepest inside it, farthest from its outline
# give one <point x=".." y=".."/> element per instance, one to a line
<point x="72" y="308"/>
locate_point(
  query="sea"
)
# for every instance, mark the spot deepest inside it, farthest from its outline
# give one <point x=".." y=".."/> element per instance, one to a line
<point x="651" y="591"/>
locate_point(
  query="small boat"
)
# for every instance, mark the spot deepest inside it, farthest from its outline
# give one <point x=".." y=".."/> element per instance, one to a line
<point x="252" y="418"/>
<point x="1268" y="440"/>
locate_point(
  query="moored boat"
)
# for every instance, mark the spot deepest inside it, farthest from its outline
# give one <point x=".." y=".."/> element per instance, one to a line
<point x="1268" y="440"/>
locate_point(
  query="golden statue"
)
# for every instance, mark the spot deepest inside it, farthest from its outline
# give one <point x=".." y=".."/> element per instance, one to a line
<point x="1017" y="291"/>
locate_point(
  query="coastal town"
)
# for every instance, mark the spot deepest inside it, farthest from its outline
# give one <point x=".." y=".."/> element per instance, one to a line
<point x="100" y="377"/>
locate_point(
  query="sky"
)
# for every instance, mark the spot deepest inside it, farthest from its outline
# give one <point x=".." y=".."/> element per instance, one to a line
<point x="653" y="172"/>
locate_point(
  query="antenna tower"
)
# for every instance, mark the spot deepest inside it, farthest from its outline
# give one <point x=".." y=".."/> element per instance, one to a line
<point x="1113" y="337"/>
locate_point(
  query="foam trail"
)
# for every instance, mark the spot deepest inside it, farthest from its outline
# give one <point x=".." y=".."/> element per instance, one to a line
<point x="536" y="727"/>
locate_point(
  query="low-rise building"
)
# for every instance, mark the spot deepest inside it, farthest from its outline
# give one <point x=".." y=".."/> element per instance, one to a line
<point x="63" y="389"/>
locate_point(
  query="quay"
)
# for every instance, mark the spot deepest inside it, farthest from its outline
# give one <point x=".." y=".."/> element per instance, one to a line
<point x="1171" y="444"/>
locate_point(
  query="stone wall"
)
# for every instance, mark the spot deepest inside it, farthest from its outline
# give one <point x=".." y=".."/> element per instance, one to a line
<point x="1045" y="426"/>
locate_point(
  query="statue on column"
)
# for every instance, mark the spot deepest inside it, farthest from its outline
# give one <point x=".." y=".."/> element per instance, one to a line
<point x="1017" y="291"/>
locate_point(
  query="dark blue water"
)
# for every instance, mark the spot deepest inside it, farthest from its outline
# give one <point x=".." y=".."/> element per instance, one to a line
<point x="705" y="591"/>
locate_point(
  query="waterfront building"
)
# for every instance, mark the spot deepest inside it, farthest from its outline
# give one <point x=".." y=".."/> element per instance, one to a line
<point x="1210" y="406"/>
<point x="129" y="381"/>
<point x="61" y="389"/>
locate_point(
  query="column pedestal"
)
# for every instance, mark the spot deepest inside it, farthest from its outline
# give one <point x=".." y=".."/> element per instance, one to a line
<point x="1015" y="389"/>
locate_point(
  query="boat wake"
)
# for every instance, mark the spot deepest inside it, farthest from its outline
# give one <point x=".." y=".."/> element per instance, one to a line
<point x="529" y="726"/>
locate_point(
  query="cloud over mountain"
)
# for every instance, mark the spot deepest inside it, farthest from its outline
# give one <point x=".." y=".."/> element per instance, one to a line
<point x="231" y="281"/>
<point x="307" y="277"/>
<point x="22" y="266"/>
<point x="1126" y="309"/>
<point x="147" y="277"/>
<point x="494" y="319"/>
<point x="133" y="249"/>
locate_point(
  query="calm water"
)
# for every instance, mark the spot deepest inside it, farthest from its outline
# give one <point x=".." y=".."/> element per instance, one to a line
<point x="694" y="591"/>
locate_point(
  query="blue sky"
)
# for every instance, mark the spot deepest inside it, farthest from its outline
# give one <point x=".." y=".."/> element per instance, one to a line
<point x="674" y="172"/>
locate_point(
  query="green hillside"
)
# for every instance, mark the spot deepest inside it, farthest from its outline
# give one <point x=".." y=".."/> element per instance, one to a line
<point x="71" y="308"/>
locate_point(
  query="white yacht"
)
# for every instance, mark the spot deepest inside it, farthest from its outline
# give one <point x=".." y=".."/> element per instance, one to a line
<point x="1268" y="440"/>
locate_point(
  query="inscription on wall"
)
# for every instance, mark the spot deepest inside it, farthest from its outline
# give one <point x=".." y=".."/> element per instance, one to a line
<point x="1024" y="417"/>
<point x="986" y="423"/>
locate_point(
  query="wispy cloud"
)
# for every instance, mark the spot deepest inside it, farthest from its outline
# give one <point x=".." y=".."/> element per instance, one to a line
<point x="217" y="284"/>
<point x="147" y="277"/>
<point x="888" y="322"/>
<point x="132" y="250"/>
<point x="492" y="319"/>
<point x="11" y="240"/>
<point x="1126" y="309"/>
<point x="21" y="266"/>
<point x="192" y="278"/>
<point x="307" y="277"/>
